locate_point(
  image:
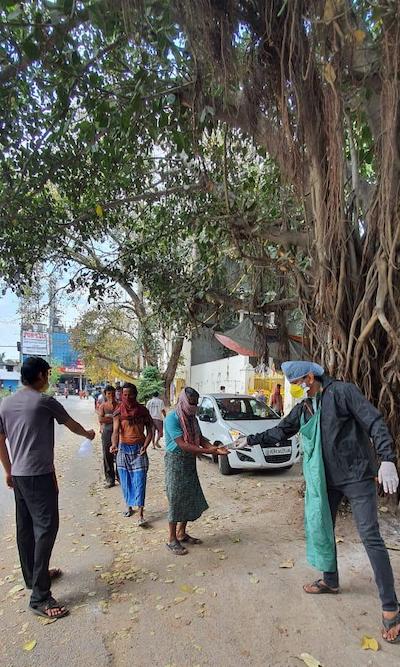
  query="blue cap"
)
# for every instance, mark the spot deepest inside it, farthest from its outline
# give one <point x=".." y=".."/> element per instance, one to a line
<point x="294" y="370"/>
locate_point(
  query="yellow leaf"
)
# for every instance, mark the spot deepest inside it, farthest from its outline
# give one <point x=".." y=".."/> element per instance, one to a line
<point x="185" y="588"/>
<point x="254" y="579"/>
<point x="329" y="73"/>
<point x="359" y="36"/>
<point x="309" y="660"/>
<point x="29" y="646"/>
<point x="287" y="564"/>
<point x="180" y="598"/>
<point x="369" y="643"/>
<point x="392" y="547"/>
<point x="99" y="211"/>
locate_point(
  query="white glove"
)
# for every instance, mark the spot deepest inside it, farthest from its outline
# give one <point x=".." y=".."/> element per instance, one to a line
<point x="387" y="475"/>
<point x="239" y="443"/>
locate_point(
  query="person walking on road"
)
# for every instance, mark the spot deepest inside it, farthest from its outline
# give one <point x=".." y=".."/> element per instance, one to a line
<point x="336" y="425"/>
<point x="106" y="412"/>
<point x="27" y="423"/>
<point x="132" y="434"/>
<point x="183" y="442"/>
<point x="156" y="408"/>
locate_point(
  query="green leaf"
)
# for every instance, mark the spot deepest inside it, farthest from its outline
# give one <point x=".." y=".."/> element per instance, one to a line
<point x="30" y="48"/>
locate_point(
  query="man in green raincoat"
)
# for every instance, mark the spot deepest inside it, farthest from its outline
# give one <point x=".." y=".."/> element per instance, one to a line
<point x="336" y="425"/>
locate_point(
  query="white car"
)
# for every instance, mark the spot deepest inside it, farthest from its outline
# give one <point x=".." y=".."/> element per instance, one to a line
<point x="225" y="417"/>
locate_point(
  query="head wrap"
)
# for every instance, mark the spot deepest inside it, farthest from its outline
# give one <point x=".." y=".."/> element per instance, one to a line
<point x="130" y="409"/>
<point x="294" y="370"/>
<point x="187" y="417"/>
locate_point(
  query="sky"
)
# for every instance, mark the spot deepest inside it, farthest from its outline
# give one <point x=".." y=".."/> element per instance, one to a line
<point x="70" y="308"/>
<point x="9" y="325"/>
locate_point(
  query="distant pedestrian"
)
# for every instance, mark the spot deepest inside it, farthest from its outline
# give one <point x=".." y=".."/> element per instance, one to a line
<point x="183" y="442"/>
<point x="118" y="392"/>
<point x="276" y="401"/>
<point x="132" y="434"/>
<point x="66" y="392"/>
<point x="106" y="412"/>
<point x="27" y="422"/>
<point x="156" y="408"/>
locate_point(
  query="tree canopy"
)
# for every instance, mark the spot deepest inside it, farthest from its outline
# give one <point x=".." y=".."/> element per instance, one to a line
<point x="274" y="128"/>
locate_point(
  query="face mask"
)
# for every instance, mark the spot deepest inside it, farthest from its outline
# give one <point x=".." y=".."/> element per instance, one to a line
<point x="299" y="390"/>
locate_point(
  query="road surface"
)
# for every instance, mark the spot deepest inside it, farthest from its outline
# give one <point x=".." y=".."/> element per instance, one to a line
<point x="228" y="603"/>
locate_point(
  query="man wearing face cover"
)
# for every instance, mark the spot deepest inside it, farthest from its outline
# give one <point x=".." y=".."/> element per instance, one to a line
<point x="336" y="425"/>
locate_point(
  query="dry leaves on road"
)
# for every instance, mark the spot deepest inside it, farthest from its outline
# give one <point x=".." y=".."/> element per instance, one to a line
<point x="369" y="643"/>
<point x="287" y="564"/>
<point x="29" y="646"/>
<point x="309" y="660"/>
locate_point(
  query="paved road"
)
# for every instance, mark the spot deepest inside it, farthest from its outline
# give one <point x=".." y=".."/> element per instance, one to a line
<point x="228" y="603"/>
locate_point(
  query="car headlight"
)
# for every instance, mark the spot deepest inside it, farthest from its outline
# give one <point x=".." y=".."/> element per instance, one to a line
<point x="235" y="434"/>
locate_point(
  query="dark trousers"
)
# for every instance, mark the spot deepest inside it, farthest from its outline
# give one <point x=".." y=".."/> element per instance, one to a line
<point x="110" y="470"/>
<point x="363" y="502"/>
<point x="36" y="501"/>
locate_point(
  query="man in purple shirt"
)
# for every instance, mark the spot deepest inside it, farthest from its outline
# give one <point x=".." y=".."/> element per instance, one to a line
<point x="27" y="423"/>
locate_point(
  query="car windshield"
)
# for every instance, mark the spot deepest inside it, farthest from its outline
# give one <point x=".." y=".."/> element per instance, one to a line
<point x="236" y="408"/>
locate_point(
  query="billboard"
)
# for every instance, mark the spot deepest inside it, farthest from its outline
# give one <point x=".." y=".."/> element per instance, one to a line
<point x="35" y="343"/>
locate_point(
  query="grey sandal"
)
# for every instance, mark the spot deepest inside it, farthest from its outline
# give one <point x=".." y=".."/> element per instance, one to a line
<point x="176" y="548"/>
<point x="388" y="624"/>
<point x="51" y="603"/>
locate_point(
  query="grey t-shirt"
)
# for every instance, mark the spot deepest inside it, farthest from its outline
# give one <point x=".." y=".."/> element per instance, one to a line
<point x="27" y="420"/>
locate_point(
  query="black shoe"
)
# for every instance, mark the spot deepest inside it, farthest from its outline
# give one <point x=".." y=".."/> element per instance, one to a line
<point x="108" y="485"/>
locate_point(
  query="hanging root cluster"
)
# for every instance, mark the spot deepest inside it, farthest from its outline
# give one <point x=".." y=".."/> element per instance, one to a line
<point x="294" y="76"/>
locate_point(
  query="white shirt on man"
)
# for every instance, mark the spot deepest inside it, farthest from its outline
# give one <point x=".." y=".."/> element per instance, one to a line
<point x="155" y="406"/>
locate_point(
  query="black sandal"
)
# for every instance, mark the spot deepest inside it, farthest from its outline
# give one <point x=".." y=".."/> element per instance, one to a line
<point x="321" y="587"/>
<point x="191" y="540"/>
<point x="51" y="603"/>
<point x="176" y="548"/>
<point x="388" y="624"/>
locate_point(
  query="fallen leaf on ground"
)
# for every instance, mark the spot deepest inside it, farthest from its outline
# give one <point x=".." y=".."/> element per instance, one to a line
<point x="339" y="540"/>
<point x="217" y="551"/>
<point x="309" y="660"/>
<point x="14" y="590"/>
<point x="23" y="629"/>
<point x="235" y="540"/>
<point x="254" y="579"/>
<point x="180" y="598"/>
<point x="287" y="564"/>
<point x="169" y="581"/>
<point x="29" y="646"/>
<point x="383" y="509"/>
<point x="185" y="588"/>
<point x="160" y="607"/>
<point x="199" y="574"/>
<point x="47" y="621"/>
<point x="392" y="547"/>
<point x="369" y="643"/>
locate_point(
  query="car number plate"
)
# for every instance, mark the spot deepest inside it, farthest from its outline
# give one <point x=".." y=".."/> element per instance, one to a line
<point x="275" y="451"/>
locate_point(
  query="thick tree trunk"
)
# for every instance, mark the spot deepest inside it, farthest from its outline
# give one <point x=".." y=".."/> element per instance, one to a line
<point x="170" y="371"/>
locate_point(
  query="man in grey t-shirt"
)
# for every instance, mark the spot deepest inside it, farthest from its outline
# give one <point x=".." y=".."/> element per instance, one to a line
<point x="27" y="423"/>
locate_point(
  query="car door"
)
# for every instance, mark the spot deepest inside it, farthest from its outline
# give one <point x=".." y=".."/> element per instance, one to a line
<point x="207" y="418"/>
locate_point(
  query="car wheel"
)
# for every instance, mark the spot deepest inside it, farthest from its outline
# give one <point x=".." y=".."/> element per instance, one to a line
<point x="224" y="465"/>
